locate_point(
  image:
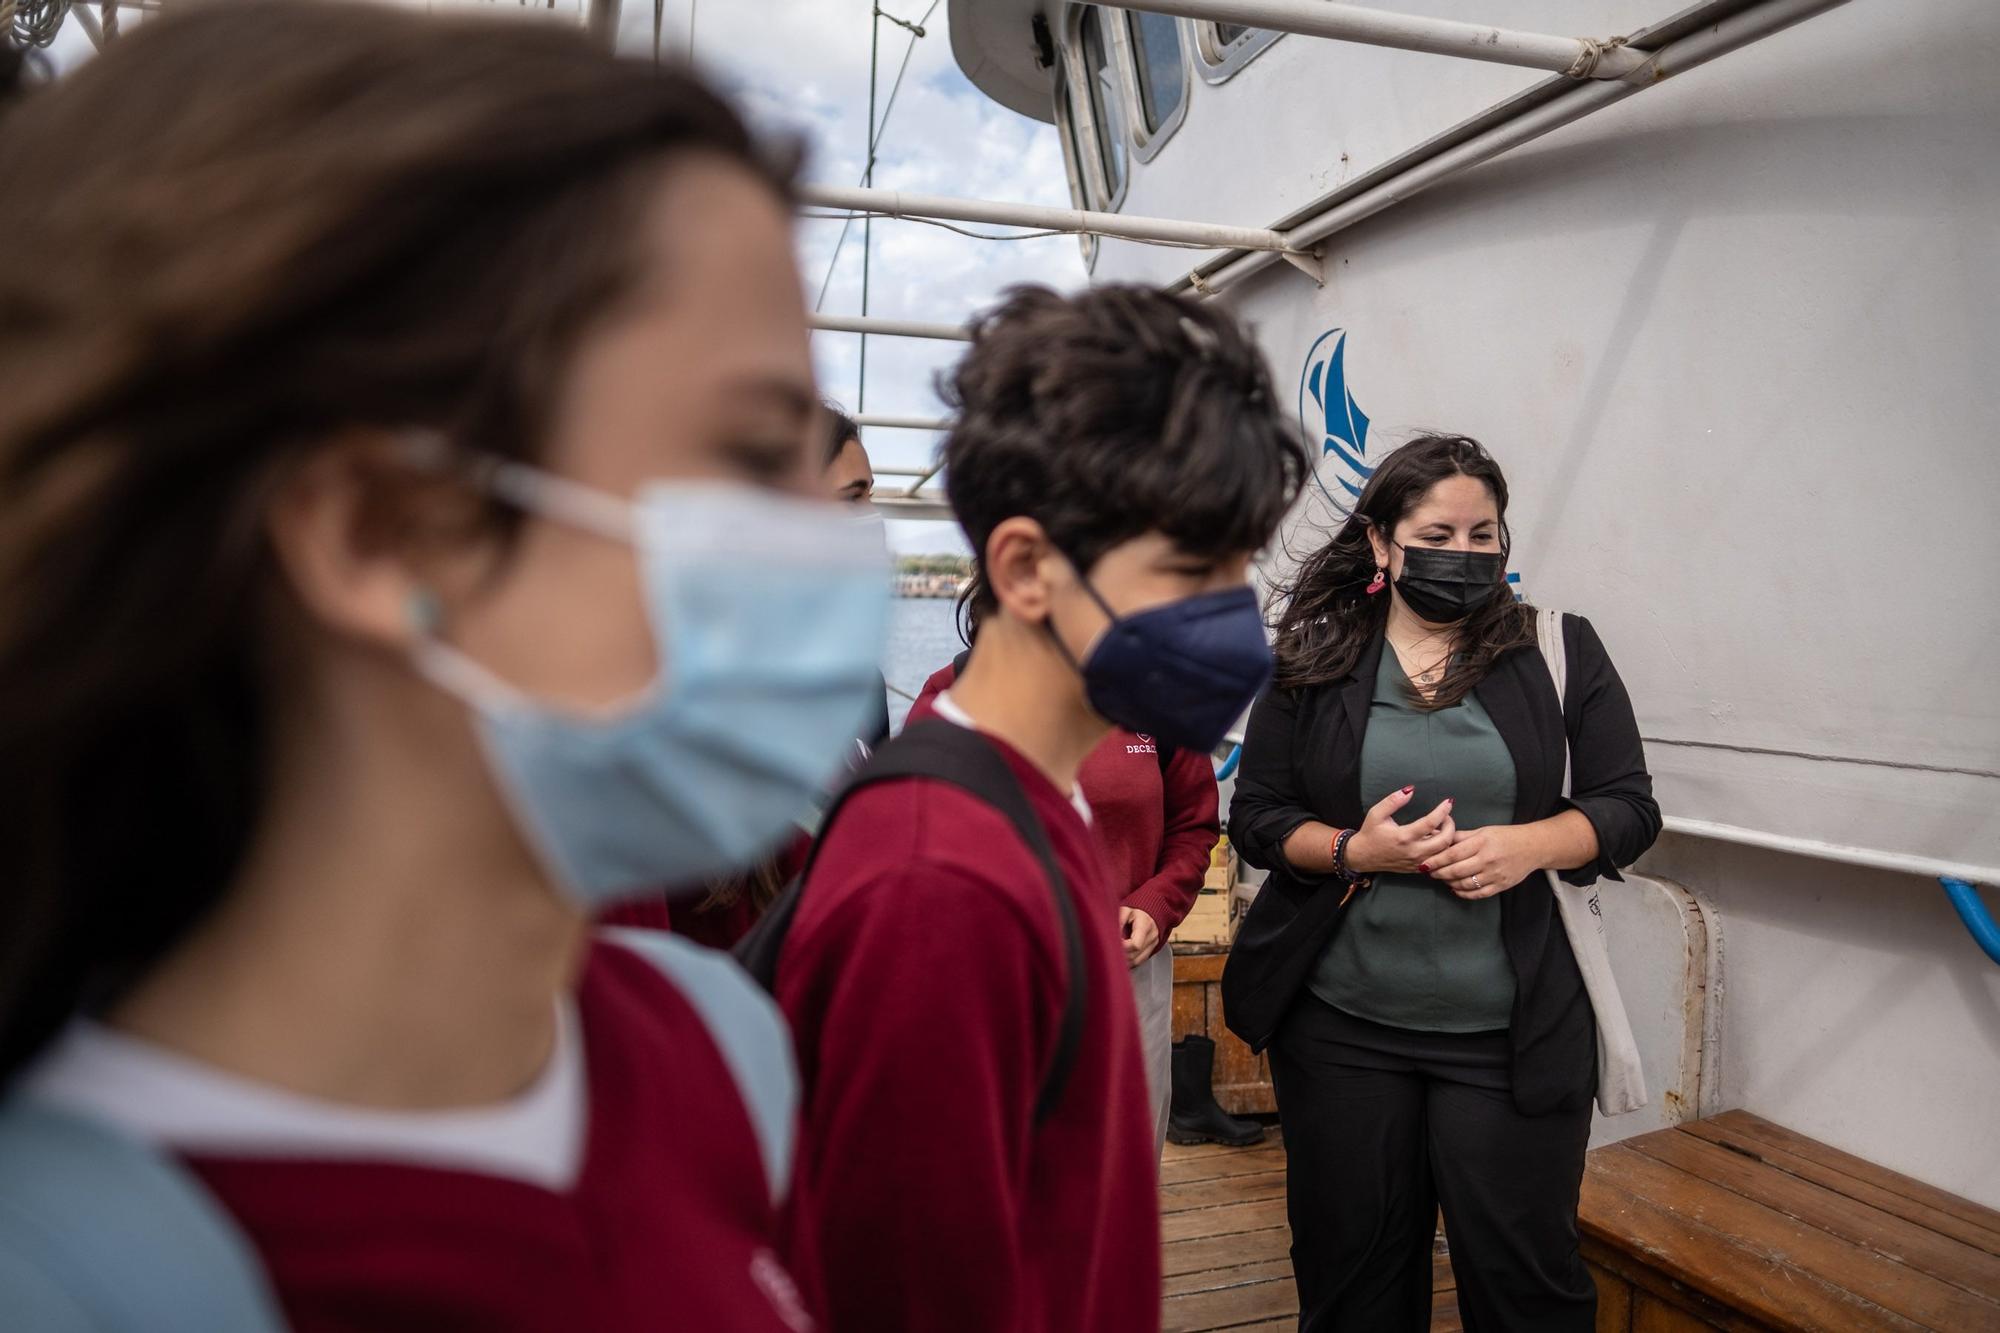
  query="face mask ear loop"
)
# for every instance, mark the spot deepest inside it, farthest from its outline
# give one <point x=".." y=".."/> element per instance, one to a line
<point x="546" y="495"/>
<point x="447" y="668"/>
<point x="527" y="489"/>
<point x="1102" y="605"/>
<point x="1049" y="628"/>
<point x="1113" y="617"/>
<point x="1049" y="624"/>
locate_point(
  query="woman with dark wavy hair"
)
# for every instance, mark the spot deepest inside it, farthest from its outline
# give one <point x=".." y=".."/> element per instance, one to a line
<point x="1431" y="1040"/>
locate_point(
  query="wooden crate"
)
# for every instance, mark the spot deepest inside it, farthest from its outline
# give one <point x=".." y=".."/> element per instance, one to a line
<point x="1242" y="1080"/>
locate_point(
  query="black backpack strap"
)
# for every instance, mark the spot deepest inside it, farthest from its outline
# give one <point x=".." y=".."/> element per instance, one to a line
<point x="946" y="752"/>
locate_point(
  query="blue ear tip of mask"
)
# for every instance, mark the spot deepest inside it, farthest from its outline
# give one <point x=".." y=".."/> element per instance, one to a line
<point x="424" y="611"/>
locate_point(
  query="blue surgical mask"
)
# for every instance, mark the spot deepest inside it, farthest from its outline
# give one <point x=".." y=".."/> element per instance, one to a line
<point x="1181" y="673"/>
<point x="768" y="615"/>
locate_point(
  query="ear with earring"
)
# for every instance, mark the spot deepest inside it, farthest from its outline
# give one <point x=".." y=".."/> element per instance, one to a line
<point x="1381" y="571"/>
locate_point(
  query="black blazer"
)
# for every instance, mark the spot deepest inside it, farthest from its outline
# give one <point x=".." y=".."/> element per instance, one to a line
<point x="1302" y="761"/>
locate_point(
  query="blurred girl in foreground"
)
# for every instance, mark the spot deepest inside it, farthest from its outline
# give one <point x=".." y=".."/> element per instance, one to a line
<point x="408" y="546"/>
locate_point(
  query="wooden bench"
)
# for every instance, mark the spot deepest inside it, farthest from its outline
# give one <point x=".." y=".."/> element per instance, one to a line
<point x="1736" y="1223"/>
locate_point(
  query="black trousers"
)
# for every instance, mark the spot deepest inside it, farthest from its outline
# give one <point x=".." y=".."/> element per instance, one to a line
<point x="1382" y="1126"/>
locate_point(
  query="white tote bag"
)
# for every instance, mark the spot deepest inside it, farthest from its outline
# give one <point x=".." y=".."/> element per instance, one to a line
<point x="1621" y="1083"/>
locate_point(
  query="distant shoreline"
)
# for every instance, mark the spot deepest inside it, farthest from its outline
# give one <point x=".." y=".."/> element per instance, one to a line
<point x="941" y="587"/>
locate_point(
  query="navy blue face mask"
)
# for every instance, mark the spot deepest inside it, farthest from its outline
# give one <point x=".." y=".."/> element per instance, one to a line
<point x="1181" y="673"/>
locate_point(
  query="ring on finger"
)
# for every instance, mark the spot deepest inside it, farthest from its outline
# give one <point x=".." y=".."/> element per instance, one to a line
<point x="1475" y="881"/>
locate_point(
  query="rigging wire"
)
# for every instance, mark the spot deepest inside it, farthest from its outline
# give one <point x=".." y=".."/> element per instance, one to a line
<point x="868" y="178"/>
<point x="1035" y="235"/>
<point x="875" y="141"/>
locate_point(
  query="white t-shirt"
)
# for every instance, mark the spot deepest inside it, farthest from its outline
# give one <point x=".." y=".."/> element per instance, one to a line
<point x="948" y="708"/>
<point x="180" y="1104"/>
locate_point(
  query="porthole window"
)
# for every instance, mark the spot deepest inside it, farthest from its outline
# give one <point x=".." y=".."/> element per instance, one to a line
<point x="1105" y="104"/>
<point x="1223" y="48"/>
<point x="1159" y="68"/>
<point x="1076" y="162"/>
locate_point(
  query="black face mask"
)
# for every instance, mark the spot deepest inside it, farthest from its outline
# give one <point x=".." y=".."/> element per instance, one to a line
<point x="1444" y="587"/>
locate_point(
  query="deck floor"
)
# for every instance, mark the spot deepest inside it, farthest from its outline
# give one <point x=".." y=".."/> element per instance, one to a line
<point x="1222" y="1217"/>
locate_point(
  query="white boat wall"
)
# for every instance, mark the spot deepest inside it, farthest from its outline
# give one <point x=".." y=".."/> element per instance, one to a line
<point x="1734" y="341"/>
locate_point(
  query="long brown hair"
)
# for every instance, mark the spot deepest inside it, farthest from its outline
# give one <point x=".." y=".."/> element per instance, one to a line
<point x="1326" y="617"/>
<point x="232" y="236"/>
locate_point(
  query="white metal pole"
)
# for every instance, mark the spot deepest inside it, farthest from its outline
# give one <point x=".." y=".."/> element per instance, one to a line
<point x="1706" y="44"/>
<point x="1583" y="57"/>
<point x="903" y="506"/>
<point x="88" y="22"/>
<point x="892" y="328"/>
<point x="902" y="423"/>
<point x="1897" y="862"/>
<point x="896" y="204"/>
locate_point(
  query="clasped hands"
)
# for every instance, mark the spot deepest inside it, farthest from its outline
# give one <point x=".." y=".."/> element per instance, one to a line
<point x="1472" y="863"/>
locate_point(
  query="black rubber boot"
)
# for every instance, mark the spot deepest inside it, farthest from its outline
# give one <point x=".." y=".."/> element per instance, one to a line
<point x="1195" y="1117"/>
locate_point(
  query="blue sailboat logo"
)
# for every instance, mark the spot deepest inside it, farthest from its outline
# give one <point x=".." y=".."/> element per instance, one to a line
<point x="1328" y="412"/>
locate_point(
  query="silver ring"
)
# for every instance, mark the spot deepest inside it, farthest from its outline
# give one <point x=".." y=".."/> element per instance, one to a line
<point x="1475" y="881"/>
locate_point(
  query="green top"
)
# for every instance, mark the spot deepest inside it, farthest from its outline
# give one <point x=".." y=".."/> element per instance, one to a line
<point x="1410" y="954"/>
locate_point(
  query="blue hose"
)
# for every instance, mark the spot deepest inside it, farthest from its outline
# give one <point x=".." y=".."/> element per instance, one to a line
<point x="1972" y="911"/>
<point x="1227" y="768"/>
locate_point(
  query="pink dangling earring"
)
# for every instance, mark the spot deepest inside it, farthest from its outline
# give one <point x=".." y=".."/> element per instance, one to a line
<point x="1381" y="582"/>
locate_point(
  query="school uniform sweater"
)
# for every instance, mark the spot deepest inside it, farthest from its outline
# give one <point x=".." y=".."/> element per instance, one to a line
<point x="688" y="913"/>
<point x="1155" y="825"/>
<point x="924" y="976"/>
<point x="646" y="1206"/>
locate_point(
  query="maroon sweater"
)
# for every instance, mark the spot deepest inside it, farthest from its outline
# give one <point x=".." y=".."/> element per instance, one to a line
<point x="689" y="915"/>
<point x="1155" y="829"/>
<point x="669" y="1226"/>
<point x="924" y="977"/>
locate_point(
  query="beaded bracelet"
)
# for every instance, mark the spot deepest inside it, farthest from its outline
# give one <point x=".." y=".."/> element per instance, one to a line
<point x="1340" y="841"/>
<point x="1352" y="879"/>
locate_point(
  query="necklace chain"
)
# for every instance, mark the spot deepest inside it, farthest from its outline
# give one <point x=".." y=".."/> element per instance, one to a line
<point x="1427" y="675"/>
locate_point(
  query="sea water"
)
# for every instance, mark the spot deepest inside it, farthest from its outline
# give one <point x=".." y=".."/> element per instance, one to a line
<point x="923" y="636"/>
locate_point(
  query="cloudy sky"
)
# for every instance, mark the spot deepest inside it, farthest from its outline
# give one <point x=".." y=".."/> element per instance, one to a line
<point x="801" y="67"/>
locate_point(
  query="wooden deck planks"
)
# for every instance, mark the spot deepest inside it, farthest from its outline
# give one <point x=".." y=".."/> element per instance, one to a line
<point x="1227" y="1254"/>
<point x="1206" y="1253"/>
<point x="1230" y="1219"/>
<point x="1731" y="1223"/>
<point x="1227" y="1189"/>
<point x="1243" y="1162"/>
